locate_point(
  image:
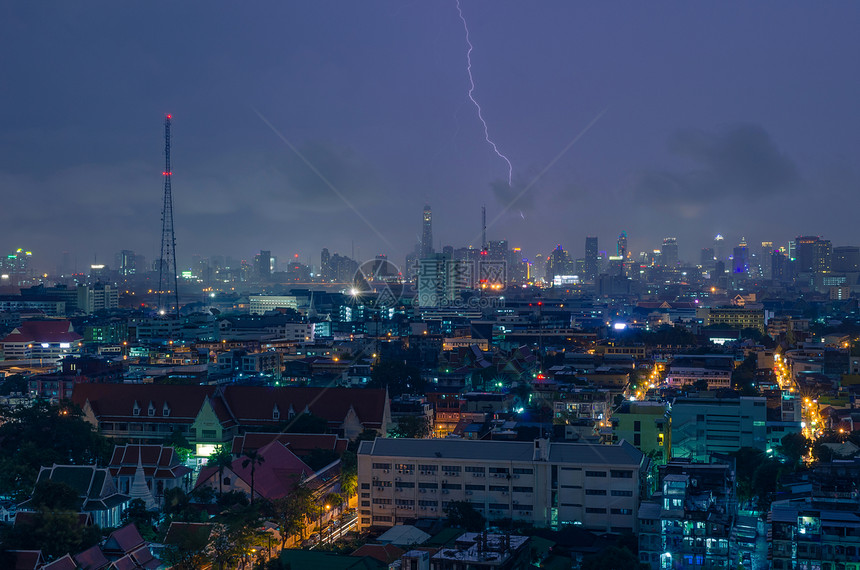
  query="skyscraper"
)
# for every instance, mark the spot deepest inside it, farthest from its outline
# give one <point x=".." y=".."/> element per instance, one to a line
<point x="814" y="255"/>
<point x="707" y="259"/>
<point x="263" y="264"/>
<point x="622" y="245"/>
<point x="427" y="233"/>
<point x="846" y="259"/>
<point x="591" y="258"/>
<point x="741" y="258"/>
<point x="325" y="267"/>
<point x="669" y="253"/>
<point x="719" y="248"/>
<point x="127" y="263"/>
<point x="766" y="260"/>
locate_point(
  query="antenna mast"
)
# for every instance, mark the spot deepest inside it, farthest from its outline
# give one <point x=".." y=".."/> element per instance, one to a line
<point x="167" y="275"/>
<point x="483" y="228"/>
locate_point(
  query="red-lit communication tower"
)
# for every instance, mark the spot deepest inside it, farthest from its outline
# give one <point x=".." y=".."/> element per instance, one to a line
<point x="167" y="277"/>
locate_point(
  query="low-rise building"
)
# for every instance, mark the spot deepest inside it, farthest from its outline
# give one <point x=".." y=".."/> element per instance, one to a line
<point x="688" y="522"/>
<point x="704" y="426"/>
<point x="647" y="425"/>
<point x="714" y="369"/>
<point x="484" y="551"/>
<point x="541" y="482"/>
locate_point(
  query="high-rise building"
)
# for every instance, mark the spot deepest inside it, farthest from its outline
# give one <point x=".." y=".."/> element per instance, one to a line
<point x="669" y="253"/>
<point x="741" y="258"/>
<point x="591" y="255"/>
<point x="766" y="260"/>
<point x="497" y="249"/>
<point x="325" y="267"/>
<point x="707" y="259"/>
<point x="814" y="255"/>
<point x="805" y="248"/>
<point x="427" y="232"/>
<point x="263" y="264"/>
<point x="720" y="248"/>
<point x="779" y="266"/>
<point x="621" y="249"/>
<point x="557" y="263"/>
<point x="127" y="263"/>
<point x="846" y="259"/>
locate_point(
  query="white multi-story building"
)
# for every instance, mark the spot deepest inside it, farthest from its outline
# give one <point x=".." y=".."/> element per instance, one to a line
<point x="542" y="482"/>
<point x="261" y="304"/>
<point x="716" y="370"/>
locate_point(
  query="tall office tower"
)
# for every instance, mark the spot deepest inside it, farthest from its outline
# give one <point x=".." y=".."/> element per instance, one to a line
<point x="325" y="267"/>
<point x="707" y="260"/>
<point x="590" y="258"/>
<point x="805" y="253"/>
<point x="427" y="233"/>
<point x="263" y="264"/>
<point x="814" y="255"/>
<point x="558" y="263"/>
<point x="719" y="248"/>
<point x="621" y="249"/>
<point x="538" y="268"/>
<point x="669" y="252"/>
<point x="497" y="250"/>
<point x="127" y="263"/>
<point x="823" y="260"/>
<point x="766" y="260"/>
<point x="846" y="259"/>
<point x="741" y="258"/>
<point x="779" y="266"/>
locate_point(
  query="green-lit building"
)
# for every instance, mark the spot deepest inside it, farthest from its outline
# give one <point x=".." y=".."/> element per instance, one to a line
<point x="647" y="425"/>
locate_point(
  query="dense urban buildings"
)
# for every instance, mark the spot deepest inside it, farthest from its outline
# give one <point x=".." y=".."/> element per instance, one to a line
<point x="450" y="286"/>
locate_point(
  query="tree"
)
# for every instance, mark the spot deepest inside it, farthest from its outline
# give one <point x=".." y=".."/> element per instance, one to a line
<point x="348" y="473"/>
<point x="612" y="558"/>
<point x="291" y="512"/>
<point x="221" y="458"/>
<point x="411" y="427"/>
<point x="55" y="533"/>
<point x="743" y="377"/>
<point x="764" y="481"/>
<point x="186" y="549"/>
<point x="398" y="377"/>
<point x="181" y="444"/>
<point x="252" y="458"/>
<point x="319" y="458"/>
<point x="45" y="434"/>
<point x="16" y="383"/>
<point x="463" y="514"/>
<point x="55" y="496"/>
<point x="138" y="515"/>
<point x="794" y="446"/>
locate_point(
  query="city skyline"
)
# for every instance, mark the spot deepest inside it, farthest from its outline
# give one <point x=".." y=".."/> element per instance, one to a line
<point x="694" y="133"/>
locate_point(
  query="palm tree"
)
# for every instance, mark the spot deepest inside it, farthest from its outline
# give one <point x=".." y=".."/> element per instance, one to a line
<point x="222" y="459"/>
<point x="252" y="458"/>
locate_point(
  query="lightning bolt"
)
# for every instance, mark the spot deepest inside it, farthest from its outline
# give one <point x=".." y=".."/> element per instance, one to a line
<point x="472" y="98"/>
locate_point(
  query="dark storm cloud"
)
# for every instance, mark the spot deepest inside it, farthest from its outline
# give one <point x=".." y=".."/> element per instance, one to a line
<point x="521" y="194"/>
<point x="739" y="162"/>
<point x="342" y="168"/>
<point x="279" y="184"/>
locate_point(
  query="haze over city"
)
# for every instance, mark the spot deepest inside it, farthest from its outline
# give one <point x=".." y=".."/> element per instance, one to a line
<point x="734" y="118"/>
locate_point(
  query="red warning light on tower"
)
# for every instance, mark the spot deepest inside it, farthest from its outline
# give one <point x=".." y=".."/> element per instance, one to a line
<point x="169" y="116"/>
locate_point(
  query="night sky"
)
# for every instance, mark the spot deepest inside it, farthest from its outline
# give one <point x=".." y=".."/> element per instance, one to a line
<point x="732" y="117"/>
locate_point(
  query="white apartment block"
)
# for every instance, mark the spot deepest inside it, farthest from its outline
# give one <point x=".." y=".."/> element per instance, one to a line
<point x="260" y="304"/>
<point x="545" y="483"/>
